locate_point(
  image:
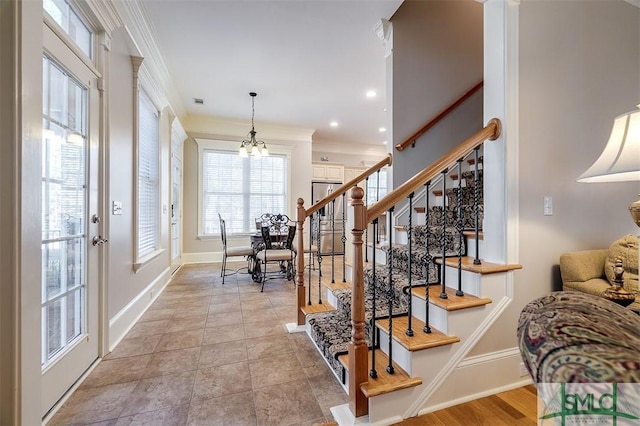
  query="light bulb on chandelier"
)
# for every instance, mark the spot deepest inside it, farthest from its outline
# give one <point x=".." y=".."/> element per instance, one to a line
<point x="251" y="143"/>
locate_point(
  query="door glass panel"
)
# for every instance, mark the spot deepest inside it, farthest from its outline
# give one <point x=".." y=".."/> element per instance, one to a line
<point x="64" y="153"/>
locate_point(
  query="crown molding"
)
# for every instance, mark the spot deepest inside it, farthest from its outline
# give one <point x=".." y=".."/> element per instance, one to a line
<point x="136" y="21"/>
<point x="350" y="148"/>
<point x="105" y="13"/>
<point x="636" y="3"/>
<point x="199" y="124"/>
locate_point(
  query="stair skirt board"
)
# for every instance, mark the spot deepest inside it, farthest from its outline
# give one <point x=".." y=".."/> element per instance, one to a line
<point x="491" y="374"/>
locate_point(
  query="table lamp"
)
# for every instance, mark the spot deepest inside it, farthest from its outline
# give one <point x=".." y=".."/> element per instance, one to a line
<point x="619" y="162"/>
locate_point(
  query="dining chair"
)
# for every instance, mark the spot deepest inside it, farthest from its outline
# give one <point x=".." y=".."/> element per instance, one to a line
<point x="245" y="251"/>
<point x="277" y="237"/>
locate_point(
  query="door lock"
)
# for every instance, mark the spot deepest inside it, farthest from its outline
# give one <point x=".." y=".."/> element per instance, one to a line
<point x="98" y="240"/>
<point x="95" y="218"/>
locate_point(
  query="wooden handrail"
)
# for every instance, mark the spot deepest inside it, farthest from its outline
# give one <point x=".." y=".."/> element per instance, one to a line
<point x="442" y="114"/>
<point x="347" y="186"/>
<point x="491" y="131"/>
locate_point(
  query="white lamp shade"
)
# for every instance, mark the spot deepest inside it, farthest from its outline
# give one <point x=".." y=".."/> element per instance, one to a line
<point x="620" y="160"/>
<point x="255" y="152"/>
<point x="243" y="152"/>
<point x="265" y="151"/>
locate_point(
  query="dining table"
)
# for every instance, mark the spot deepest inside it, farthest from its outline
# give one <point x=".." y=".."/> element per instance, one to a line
<point x="257" y="242"/>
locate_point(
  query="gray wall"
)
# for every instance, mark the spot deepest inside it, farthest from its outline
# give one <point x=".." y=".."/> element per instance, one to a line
<point x="579" y="67"/>
<point x="437" y="56"/>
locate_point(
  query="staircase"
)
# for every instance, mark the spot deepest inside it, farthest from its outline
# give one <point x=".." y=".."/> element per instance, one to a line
<point x="410" y="316"/>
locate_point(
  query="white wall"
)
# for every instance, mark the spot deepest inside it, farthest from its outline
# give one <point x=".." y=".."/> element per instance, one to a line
<point x="579" y="67"/>
<point x="437" y="56"/>
<point x="124" y="283"/>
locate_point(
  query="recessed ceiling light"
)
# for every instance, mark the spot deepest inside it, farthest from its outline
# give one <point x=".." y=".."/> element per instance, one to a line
<point x="371" y="94"/>
<point x="384" y="110"/>
<point x="198" y="101"/>
<point x="382" y="129"/>
<point x="333" y="124"/>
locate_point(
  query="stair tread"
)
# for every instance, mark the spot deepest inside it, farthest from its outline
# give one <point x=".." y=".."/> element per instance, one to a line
<point x="452" y="302"/>
<point x="385" y="382"/>
<point x="338" y="285"/>
<point x="420" y="340"/>
<point x="316" y="307"/>
<point x="472" y="234"/>
<point x="484" y="268"/>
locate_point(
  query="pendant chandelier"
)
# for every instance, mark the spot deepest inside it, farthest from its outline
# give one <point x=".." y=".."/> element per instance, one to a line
<point x="251" y="144"/>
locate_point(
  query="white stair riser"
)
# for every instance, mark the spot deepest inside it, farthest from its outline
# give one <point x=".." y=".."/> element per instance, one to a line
<point x="437" y="315"/>
<point x="401" y="355"/>
<point x="471" y="247"/>
<point x="470" y="281"/>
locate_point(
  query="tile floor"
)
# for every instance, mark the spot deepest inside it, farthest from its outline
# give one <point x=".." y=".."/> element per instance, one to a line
<point x="208" y="354"/>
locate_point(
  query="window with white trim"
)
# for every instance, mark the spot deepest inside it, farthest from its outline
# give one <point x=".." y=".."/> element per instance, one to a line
<point x="240" y="189"/>
<point x="67" y="18"/>
<point x="148" y="220"/>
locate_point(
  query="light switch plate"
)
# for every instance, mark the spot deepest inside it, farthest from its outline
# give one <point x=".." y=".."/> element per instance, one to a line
<point x="548" y="205"/>
<point x="116" y="208"/>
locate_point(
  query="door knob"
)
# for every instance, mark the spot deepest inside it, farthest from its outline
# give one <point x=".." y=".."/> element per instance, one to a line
<point x="98" y="240"/>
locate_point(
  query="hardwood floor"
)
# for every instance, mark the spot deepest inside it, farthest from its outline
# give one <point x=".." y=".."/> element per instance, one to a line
<point x="514" y="407"/>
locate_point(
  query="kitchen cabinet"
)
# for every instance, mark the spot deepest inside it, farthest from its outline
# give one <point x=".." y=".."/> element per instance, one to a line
<point x="328" y="172"/>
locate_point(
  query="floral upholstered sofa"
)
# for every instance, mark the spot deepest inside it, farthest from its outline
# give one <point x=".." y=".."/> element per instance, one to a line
<point x="573" y="337"/>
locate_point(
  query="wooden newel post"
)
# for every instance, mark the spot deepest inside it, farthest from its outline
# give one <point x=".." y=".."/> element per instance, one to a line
<point x="301" y="217"/>
<point x="358" y="351"/>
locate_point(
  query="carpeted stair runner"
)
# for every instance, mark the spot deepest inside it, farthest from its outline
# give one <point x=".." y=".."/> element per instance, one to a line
<point x="331" y="331"/>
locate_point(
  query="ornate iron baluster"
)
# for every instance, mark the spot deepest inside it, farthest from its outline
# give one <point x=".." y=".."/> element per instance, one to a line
<point x="476" y="200"/>
<point x="429" y="259"/>
<point x="409" y="331"/>
<point x="366" y="229"/>
<point x="373" y="373"/>
<point x="319" y="259"/>
<point x="459" y="228"/>
<point x="377" y="235"/>
<point x="333" y="245"/>
<point x="390" y="368"/>
<point x="443" y="235"/>
<point x="344" y="239"/>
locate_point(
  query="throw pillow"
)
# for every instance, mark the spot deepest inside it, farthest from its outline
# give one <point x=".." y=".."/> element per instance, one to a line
<point x="627" y="249"/>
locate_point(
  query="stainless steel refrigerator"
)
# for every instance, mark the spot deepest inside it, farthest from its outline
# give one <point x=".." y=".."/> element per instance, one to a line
<point x="332" y="218"/>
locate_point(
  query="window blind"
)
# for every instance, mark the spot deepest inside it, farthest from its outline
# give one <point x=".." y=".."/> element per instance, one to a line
<point x="148" y="177"/>
<point x="241" y="189"/>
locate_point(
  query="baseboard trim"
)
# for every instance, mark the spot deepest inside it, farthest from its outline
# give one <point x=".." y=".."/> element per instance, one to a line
<point x="293" y="327"/>
<point x="344" y="417"/>
<point x="202" y="257"/>
<point x="124" y="320"/>
<point x="475" y="396"/>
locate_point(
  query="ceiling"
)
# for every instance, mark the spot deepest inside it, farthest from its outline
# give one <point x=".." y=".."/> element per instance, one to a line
<point x="310" y="61"/>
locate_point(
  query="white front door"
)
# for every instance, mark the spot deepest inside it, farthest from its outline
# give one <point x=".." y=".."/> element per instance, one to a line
<point x="69" y="302"/>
